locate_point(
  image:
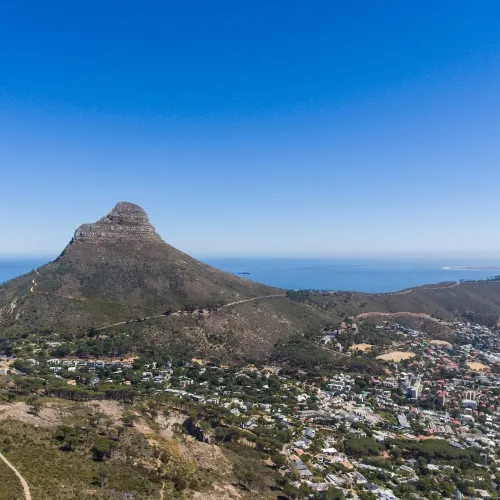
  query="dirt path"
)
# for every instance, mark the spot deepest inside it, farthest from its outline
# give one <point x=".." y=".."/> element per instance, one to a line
<point x="339" y="353"/>
<point x="180" y="313"/>
<point x="411" y="290"/>
<point x="402" y="314"/>
<point x="26" y="489"/>
<point x="33" y="282"/>
<point x="251" y="300"/>
<point x="162" y="489"/>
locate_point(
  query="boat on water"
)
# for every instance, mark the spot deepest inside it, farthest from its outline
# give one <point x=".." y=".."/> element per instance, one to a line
<point x="243" y="272"/>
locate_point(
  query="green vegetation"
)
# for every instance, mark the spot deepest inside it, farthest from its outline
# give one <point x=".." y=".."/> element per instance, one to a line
<point x="55" y="474"/>
<point x="10" y="487"/>
<point x="433" y="449"/>
<point x="362" y="447"/>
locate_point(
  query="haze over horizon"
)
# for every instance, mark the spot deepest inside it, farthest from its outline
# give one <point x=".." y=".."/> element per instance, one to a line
<point x="256" y="130"/>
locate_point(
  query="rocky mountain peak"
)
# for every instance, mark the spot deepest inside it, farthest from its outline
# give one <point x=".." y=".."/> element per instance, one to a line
<point x="125" y="212"/>
<point x="125" y="222"/>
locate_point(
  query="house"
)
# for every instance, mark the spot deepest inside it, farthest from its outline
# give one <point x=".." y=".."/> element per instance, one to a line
<point x="301" y="468"/>
<point x="390" y="382"/>
<point x="469" y="403"/>
<point x="310" y="433"/>
<point x="305" y="473"/>
<point x="335" y="480"/>
<point x="303" y="443"/>
<point x="329" y="451"/>
<point x="403" y="421"/>
<point x="359" y="478"/>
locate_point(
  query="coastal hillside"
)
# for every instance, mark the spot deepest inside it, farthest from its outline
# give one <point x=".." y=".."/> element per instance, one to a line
<point x="119" y="271"/>
<point x="122" y="259"/>
<point x="118" y="275"/>
<point x="476" y="301"/>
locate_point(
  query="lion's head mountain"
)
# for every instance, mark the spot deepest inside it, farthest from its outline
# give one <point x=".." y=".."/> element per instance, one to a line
<point x="118" y="274"/>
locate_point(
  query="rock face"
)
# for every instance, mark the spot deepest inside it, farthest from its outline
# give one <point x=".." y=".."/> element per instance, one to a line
<point x="126" y="222"/>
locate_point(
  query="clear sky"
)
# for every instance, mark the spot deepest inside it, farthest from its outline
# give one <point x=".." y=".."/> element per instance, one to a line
<point x="254" y="128"/>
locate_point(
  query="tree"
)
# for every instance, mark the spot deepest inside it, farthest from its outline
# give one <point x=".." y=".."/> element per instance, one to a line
<point x="35" y="405"/>
<point x="102" y="449"/>
<point x="290" y="491"/>
<point x="246" y="477"/>
<point x="101" y="477"/>
<point x="119" y="431"/>
<point x="67" y="436"/>
<point x="128" y="419"/>
<point x="92" y="332"/>
<point x="332" y="494"/>
<point x="364" y="446"/>
<point x="278" y="460"/>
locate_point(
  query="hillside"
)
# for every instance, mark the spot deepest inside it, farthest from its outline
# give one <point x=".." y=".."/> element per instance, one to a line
<point x="101" y="449"/>
<point x="477" y="301"/>
<point x="121" y="259"/>
<point x="119" y="270"/>
<point x="118" y="275"/>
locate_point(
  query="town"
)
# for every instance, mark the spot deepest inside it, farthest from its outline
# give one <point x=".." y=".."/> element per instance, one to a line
<point x="426" y="426"/>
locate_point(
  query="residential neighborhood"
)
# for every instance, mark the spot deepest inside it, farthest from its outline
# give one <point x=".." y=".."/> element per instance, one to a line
<point x="427" y="426"/>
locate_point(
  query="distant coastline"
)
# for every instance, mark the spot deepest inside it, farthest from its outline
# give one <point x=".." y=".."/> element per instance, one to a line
<point x="471" y="268"/>
<point x="362" y="275"/>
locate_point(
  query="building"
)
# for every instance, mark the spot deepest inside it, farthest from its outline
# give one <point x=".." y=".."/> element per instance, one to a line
<point x="415" y="391"/>
<point x="468" y="403"/>
<point x="403" y="421"/>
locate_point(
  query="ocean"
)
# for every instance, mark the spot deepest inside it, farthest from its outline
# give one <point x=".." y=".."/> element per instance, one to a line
<point x="364" y="275"/>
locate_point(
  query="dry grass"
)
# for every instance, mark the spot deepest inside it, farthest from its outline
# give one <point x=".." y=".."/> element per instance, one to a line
<point x="50" y="414"/>
<point x="361" y="347"/>
<point x="477" y="367"/>
<point x="111" y="409"/>
<point x="396" y="356"/>
<point x="441" y="342"/>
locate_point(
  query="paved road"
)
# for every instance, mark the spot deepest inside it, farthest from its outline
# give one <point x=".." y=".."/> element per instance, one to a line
<point x="27" y="494"/>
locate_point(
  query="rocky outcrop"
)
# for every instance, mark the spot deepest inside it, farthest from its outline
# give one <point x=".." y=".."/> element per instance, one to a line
<point x="126" y="222"/>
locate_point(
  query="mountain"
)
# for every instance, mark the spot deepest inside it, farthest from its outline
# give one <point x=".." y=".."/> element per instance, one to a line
<point x="119" y="269"/>
<point x="117" y="275"/>
<point x="121" y="259"/>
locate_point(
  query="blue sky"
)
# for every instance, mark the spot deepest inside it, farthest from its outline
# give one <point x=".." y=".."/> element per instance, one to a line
<point x="243" y="128"/>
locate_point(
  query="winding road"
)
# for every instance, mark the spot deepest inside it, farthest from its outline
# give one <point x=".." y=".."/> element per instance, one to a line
<point x="24" y="484"/>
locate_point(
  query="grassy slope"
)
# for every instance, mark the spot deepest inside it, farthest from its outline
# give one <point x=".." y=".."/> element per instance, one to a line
<point x="10" y="487"/>
<point x="91" y="286"/>
<point x="479" y="299"/>
<point x="55" y="474"/>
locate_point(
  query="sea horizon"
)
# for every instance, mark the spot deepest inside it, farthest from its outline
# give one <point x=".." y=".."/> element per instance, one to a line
<point x="371" y="275"/>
